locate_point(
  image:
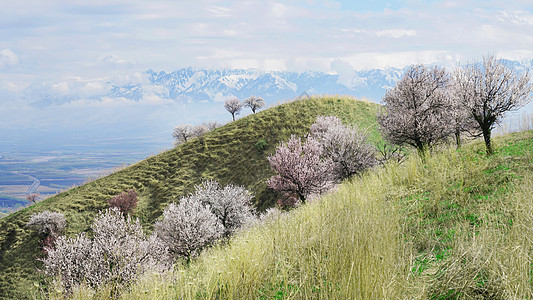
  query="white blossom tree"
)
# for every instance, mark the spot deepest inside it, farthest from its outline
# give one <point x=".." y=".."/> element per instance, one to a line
<point x="118" y="253"/>
<point x="344" y="145"/>
<point x="188" y="227"/>
<point x="490" y="89"/>
<point x="416" y="110"/>
<point x="254" y="103"/>
<point x="231" y="204"/>
<point x="301" y="168"/>
<point x="233" y="106"/>
<point x="47" y="222"/>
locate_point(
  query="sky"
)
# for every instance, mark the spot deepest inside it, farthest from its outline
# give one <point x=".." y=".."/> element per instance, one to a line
<point x="77" y="46"/>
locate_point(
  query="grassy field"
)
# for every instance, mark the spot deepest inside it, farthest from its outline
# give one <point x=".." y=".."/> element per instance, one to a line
<point x="455" y="226"/>
<point x="228" y="154"/>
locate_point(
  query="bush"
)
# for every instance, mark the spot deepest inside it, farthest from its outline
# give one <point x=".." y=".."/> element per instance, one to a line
<point x="261" y="145"/>
<point x="125" y="202"/>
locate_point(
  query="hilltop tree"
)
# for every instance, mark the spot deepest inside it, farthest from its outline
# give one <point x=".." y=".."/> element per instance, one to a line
<point x="300" y="168"/>
<point x="32" y="197"/>
<point x="182" y="133"/>
<point x="254" y="103"/>
<point x="489" y="90"/>
<point x="344" y="145"/>
<point x="416" y="110"/>
<point x="233" y="106"/>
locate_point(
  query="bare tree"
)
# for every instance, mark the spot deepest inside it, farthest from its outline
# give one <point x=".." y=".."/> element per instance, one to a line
<point x="345" y="146"/>
<point x="254" y="103"/>
<point x="212" y="125"/>
<point x="489" y="90"/>
<point x="32" y="197"/>
<point x="231" y="204"/>
<point x="188" y="227"/>
<point x="182" y="133"/>
<point x="125" y="201"/>
<point x="300" y="168"/>
<point x="416" y="110"/>
<point x="200" y="130"/>
<point x="233" y="106"/>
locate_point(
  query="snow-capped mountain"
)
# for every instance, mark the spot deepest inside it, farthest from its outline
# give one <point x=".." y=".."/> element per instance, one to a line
<point x="194" y="85"/>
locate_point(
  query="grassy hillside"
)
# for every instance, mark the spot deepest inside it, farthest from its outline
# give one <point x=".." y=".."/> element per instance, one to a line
<point x="228" y="154"/>
<point x="458" y="225"/>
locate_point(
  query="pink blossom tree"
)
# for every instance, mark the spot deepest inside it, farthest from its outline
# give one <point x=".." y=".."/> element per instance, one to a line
<point x="344" y="145"/>
<point x="300" y="168"/>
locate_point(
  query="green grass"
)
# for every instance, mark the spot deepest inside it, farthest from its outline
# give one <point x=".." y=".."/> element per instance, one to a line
<point x="228" y="154"/>
<point x="458" y="225"/>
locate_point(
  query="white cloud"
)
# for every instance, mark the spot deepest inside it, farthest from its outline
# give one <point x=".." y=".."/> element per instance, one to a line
<point x="396" y="33"/>
<point x="8" y="58"/>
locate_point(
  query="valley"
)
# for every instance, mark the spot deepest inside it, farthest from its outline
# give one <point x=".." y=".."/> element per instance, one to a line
<point x="48" y="172"/>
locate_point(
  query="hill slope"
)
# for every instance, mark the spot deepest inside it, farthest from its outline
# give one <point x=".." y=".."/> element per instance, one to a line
<point x="227" y="154"/>
<point x="456" y="225"/>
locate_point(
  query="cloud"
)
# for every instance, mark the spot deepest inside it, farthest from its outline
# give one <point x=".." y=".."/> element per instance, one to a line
<point x="8" y="58"/>
<point x="396" y="33"/>
<point x="115" y="62"/>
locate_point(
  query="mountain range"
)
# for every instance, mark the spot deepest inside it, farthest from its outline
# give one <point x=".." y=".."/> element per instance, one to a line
<point x="198" y="85"/>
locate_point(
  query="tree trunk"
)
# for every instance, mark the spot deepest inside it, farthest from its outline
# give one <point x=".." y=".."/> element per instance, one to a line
<point x="486" y="136"/>
<point x="458" y="138"/>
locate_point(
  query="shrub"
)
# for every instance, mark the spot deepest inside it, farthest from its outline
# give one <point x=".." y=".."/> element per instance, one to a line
<point x="261" y="145"/>
<point x="125" y="202"/>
